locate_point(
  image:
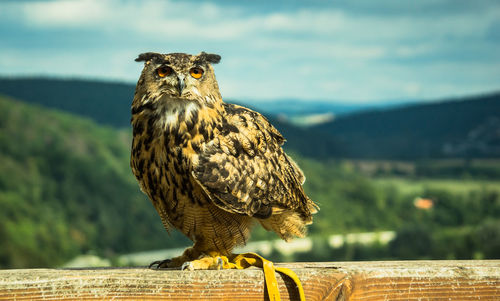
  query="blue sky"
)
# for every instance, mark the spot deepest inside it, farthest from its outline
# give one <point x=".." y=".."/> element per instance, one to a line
<point x="351" y="51"/>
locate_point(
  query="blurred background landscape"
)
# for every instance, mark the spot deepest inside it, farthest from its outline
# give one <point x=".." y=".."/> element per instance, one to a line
<point x="391" y="109"/>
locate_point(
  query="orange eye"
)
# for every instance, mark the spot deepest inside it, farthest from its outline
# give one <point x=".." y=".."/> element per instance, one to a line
<point x="164" y="71"/>
<point x="196" y="72"/>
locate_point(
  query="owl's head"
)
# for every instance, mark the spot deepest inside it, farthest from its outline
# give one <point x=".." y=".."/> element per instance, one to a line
<point x="178" y="76"/>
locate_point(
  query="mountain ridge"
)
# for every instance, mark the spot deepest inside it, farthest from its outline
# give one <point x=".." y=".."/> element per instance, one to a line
<point x="411" y="132"/>
<point x="429" y="130"/>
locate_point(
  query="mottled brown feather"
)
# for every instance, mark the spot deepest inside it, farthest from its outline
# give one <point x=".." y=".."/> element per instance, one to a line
<point x="210" y="168"/>
<point x="246" y="171"/>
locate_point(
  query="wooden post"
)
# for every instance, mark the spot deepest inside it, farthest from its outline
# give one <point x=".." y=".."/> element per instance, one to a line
<point x="390" y="280"/>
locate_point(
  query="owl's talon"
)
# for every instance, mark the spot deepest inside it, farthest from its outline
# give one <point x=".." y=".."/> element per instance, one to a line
<point x="188" y="265"/>
<point x="159" y="264"/>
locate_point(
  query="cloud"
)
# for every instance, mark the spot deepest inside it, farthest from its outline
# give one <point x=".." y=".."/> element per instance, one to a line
<point x="149" y="17"/>
<point x="345" y="50"/>
<point x="65" y="13"/>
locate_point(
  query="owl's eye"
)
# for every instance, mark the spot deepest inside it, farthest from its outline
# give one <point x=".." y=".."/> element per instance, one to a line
<point x="196" y="72"/>
<point x="164" y="71"/>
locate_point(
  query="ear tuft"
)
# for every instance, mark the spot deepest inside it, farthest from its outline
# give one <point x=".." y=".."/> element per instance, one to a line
<point x="210" y="57"/>
<point x="147" y="56"/>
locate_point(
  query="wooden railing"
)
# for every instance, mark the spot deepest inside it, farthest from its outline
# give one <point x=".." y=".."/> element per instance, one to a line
<point x="389" y="280"/>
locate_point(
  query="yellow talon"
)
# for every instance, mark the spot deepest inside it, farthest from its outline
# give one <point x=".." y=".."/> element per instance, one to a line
<point x="214" y="261"/>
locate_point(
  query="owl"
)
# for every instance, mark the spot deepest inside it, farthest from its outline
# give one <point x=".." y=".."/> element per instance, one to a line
<point x="210" y="168"/>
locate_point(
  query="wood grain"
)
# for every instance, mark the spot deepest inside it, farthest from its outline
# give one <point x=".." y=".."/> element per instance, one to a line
<point x="398" y="280"/>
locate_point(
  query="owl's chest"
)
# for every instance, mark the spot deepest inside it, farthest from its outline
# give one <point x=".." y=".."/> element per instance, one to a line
<point x="162" y="165"/>
<point x="157" y="165"/>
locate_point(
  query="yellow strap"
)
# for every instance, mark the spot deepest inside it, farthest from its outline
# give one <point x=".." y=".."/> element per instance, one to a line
<point x="245" y="260"/>
<point x="295" y="279"/>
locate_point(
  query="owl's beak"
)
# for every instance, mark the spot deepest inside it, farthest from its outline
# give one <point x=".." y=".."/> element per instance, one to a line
<point x="181" y="83"/>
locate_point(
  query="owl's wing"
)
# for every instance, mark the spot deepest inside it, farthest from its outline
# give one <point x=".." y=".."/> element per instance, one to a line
<point x="244" y="170"/>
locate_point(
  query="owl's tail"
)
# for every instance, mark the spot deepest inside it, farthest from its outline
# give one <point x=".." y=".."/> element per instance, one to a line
<point x="287" y="224"/>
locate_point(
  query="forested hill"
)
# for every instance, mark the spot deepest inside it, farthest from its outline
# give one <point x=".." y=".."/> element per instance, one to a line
<point x="467" y="127"/>
<point x="66" y="189"/>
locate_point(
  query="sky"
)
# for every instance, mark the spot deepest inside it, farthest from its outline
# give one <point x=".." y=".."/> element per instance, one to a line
<point x="349" y="51"/>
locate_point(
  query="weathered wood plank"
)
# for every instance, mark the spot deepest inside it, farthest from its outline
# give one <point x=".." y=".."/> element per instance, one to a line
<point x="401" y="280"/>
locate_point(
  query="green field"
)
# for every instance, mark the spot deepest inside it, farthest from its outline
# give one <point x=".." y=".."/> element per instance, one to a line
<point x="417" y="186"/>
